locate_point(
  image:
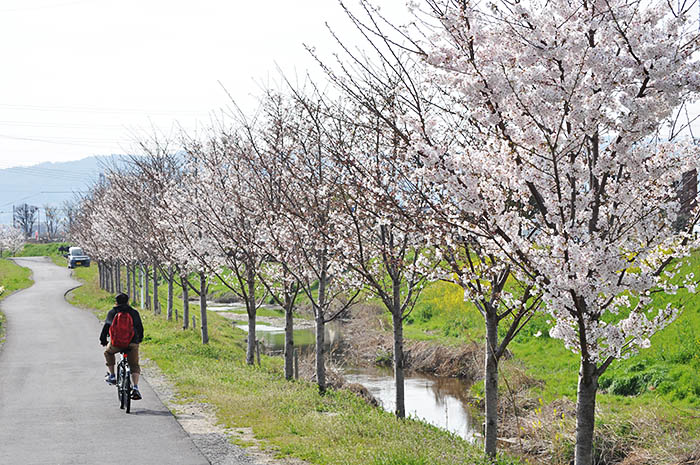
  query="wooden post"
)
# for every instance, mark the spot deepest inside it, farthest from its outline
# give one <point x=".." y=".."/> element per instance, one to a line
<point x="176" y="315"/>
<point x="194" y="321"/>
<point x="257" y="350"/>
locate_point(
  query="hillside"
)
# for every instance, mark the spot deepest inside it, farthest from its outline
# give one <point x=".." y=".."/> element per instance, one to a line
<point x="48" y="183"/>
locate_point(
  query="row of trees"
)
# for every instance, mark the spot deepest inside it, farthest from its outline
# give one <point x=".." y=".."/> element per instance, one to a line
<point x="27" y="218"/>
<point x="529" y="153"/>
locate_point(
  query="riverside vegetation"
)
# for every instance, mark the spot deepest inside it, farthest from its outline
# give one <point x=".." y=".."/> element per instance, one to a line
<point x="649" y="408"/>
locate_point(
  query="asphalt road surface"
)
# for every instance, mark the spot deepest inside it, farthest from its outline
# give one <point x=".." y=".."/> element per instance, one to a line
<point x="55" y="407"/>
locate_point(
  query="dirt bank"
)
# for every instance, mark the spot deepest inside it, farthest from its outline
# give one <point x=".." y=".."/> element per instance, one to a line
<point x="367" y="342"/>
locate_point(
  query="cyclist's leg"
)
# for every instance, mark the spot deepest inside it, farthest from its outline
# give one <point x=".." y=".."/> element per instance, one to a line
<point x="110" y="359"/>
<point x="133" y="360"/>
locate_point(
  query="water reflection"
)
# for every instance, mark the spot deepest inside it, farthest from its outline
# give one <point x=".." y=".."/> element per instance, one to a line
<point x="272" y="337"/>
<point x="442" y="402"/>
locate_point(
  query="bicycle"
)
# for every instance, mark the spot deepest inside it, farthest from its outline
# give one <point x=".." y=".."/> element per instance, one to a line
<point x="124" y="383"/>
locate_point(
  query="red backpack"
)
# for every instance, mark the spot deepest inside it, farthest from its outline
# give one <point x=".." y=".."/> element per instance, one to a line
<point x="121" y="332"/>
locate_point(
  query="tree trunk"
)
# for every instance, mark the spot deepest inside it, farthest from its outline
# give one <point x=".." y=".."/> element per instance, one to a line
<point x="250" y="307"/>
<point x="288" y="338"/>
<point x="170" y="293"/>
<point x="111" y="277"/>
<point x="319" y="313"/>
<point x="147" y="286"/>
<point x="143" y="285"/>
<point x="100" y="274"/>
<point x="398" y="347"/>
<point x="106" y="276"/>
<point x="398" y="362"/>
<point x="134" y="286"/>
<point x="585" y="413"/>
<point x="203" y="307"/>
<point x="118" y="266"/>
<point x="128" y="280"/>
<point x="491" y="383"/>
<point x="156" y="302"/>
<point x="320" y="352"/>
<point x="185" y="302"/>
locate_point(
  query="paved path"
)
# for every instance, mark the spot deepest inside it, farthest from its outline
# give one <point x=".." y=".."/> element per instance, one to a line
<point x="55" y="407"/>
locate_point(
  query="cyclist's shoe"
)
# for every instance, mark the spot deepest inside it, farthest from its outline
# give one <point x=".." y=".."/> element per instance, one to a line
<point x="110" y="379"/>
<point x="135" y="394"/>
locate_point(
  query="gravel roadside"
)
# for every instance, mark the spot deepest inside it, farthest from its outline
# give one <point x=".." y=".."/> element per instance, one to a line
<point x="215" y="441"/>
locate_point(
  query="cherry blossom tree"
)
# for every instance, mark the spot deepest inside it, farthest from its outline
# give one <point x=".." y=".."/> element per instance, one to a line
<point x="157" y="167"/>
<point x="308" y="188"/>
<point x="381" y="239"/>
<point x="11" y="239"/>
<point x="391" y="88"/>
<point x="191" y="246"/>
<point x="89" y="229"/>
<point x="229" y="215"/>
<point x="566" y="103"/>
<point x="269" y="147"/>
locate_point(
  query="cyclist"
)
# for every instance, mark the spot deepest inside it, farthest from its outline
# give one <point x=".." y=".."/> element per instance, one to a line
<point x="132" y="350"/>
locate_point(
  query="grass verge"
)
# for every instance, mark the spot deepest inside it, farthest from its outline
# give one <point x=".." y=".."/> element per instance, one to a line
<point x="290" y="417"/>
<point x="39" y="250"/>
<point x="12" y="278"/>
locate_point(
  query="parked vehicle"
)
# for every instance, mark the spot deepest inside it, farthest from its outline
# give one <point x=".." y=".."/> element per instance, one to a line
<point x="76" y="257"/>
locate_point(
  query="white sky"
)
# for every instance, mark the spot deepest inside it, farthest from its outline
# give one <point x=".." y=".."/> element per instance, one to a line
<point x="81" y="77"/>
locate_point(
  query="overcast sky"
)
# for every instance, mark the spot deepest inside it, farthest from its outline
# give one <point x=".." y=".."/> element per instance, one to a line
<point x="83" y="77"/>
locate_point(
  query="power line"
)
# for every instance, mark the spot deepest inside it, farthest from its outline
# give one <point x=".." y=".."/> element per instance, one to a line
<point x="35" y="124"/>
<point x="55" y="174"/>
<point x="19" y="200"/>
<point x="77" y="109"/>
<point x="37" y="194"/>
<point x="46" y="141"/>
<point x="43" y="7"/>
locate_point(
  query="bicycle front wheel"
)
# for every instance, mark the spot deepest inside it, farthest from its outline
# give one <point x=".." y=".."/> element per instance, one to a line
<point x="120" y="385"/>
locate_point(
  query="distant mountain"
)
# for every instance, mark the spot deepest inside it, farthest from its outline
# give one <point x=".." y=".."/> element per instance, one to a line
<point x="49" y="183"/>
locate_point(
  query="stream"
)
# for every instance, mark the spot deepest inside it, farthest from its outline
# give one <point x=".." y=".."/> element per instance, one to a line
<point x="440" y="401"/>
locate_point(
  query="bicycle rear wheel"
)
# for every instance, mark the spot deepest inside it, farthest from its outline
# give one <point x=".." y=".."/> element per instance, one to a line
<point x="127" y="392"/>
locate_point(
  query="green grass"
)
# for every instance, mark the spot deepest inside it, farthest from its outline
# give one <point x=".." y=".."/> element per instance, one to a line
<point x="39" y="250"/>
<point x="442" y="314"/>
<point x="12" y="278"/>
<point x="290" y="417"/>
